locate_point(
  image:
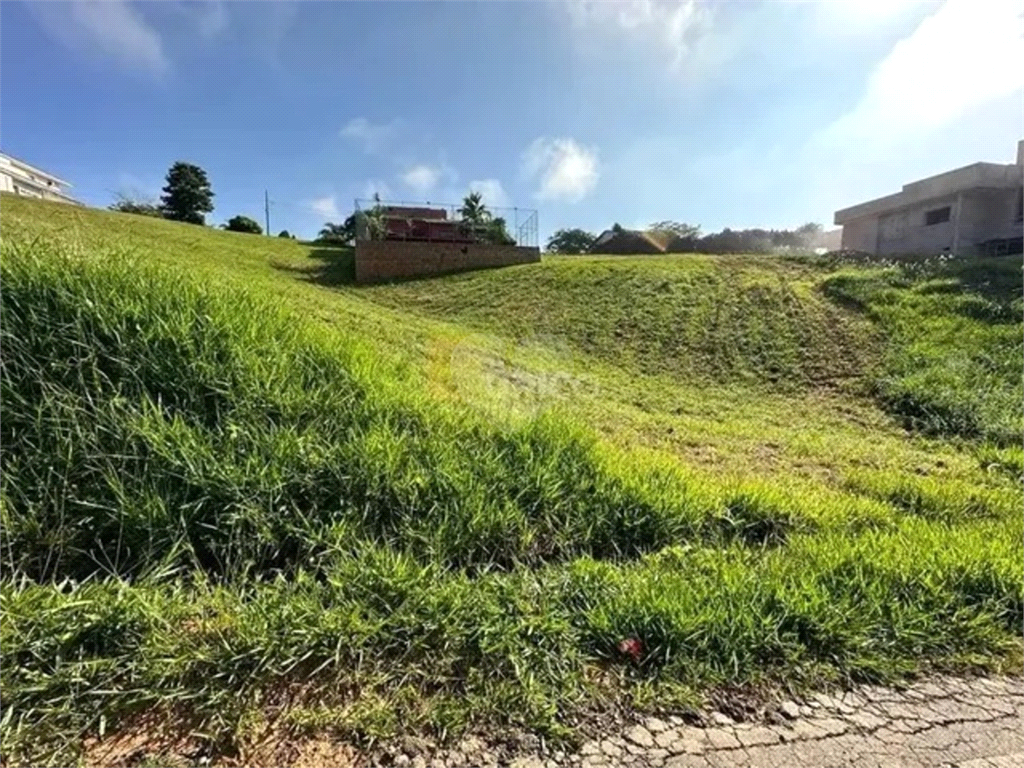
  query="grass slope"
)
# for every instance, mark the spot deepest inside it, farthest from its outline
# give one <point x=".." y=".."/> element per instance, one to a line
<point x="955" y="353"/>
<point x="700" y="318"/>
<point x="219" y="496"/>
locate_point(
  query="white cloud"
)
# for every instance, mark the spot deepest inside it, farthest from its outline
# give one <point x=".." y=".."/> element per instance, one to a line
<point x="674" y="26"/>
<point x="114" y="29"/>
<point x="371" y="137"/>
<point x="566" y="171"/>
<point x="866" y="13"/>
<point x="211" y="18"/>
<point x="421" y="178"/>
<point x="961" y="57"/>
<point x="940" y="98"/>
<point x="326" y="207"/>
<point x="493" y="194"/>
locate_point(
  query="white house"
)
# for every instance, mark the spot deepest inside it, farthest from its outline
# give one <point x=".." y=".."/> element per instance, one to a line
<point x="976" y="209"/>
<point x="20" y="178"/>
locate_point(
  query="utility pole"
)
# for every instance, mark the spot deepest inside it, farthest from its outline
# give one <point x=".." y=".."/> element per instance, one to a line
<point x="266" y="208"/>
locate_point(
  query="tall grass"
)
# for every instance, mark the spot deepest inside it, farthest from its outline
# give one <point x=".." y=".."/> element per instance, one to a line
<point x="212" y="509"/>
<point x="955" y="347"/>
<point x="698" y="318"/>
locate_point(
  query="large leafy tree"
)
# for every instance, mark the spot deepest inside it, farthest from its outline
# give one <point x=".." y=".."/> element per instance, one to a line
<point x="187" y="194"/>
<point x="809" y="233"/>
<point x="243" y="224"/>
<point x="570" y="241"/>
<point x="677" y="228"/>
<point x="497" y="232"/>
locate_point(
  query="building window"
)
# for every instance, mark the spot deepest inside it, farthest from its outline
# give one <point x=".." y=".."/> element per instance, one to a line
<point x="938" y="216"/>
<point x="1020" y="206"/>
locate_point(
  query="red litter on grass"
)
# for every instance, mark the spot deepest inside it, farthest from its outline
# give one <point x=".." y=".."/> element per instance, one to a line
<point x="633" y="647"/>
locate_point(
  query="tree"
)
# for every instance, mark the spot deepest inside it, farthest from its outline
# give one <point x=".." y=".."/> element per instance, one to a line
<point x="809" y="233"/>
<point x="187" y="196"/>
<point x="343" y="233"/>
<point x="571" y="241"/>
<point x="332" y="232"/>
<point x="479" y="221"/>
<point x="285" y="234"/>
<point x="497" y="233"/>
<point x="243" y="224"/>
<point x="473" y="209"/>
<point x="676" y="228"/>
<point x="375" y="220"/>
<point x="127" y="204"/>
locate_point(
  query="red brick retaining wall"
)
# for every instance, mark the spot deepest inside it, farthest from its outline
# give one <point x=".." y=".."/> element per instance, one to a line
<point x="379" y="260"/>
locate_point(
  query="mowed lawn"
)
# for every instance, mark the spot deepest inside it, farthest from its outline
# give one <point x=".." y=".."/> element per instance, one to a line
<point x="238" y="490"/>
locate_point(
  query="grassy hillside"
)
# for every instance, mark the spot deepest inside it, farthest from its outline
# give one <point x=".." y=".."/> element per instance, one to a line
<point x="955" y="352"/>
<point x="238" y="493"/>
<point x="700" y="318"/>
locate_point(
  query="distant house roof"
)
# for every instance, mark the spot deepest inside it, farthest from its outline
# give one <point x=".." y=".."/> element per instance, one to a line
<point x="627" y="241"/>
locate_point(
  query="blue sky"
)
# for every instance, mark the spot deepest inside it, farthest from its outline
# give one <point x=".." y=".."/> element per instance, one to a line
<point x="715" y="113"/>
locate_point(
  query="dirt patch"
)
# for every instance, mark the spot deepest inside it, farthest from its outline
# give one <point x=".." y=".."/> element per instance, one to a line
<point x="145" y="739"/>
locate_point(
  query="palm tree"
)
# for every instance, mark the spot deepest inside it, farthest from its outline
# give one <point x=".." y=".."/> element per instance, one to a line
<point x="338" y="232"/>
<point x="473" y="209"/>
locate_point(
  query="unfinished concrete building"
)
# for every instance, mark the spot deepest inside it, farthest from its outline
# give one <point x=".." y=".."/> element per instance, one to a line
<point x="977" y="209"/>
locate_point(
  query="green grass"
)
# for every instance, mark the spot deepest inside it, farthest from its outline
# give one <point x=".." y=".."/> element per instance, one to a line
<point x="236" y="489"/>
<point x="955" y="353"/>
<point x="703" y="318"/>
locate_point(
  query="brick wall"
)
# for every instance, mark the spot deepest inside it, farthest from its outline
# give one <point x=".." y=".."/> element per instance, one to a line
<point x="379" y="260"/>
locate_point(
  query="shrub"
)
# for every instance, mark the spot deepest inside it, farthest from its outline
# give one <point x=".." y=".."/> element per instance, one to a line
<point x="138" y="207"/>
<point x="243" y="224"/>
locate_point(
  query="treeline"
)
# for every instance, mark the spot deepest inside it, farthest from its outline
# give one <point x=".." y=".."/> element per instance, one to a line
<point x="679" y="237"/>
<point x="747" y="240"/>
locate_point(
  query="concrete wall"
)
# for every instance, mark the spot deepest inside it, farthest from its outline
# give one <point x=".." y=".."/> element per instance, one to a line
<point x="984" y="214"/>
<point x="990" y="214"/>
<point x="380" y="260"/>
<point x="861" y="234"/>
<point x="904" y="231"/>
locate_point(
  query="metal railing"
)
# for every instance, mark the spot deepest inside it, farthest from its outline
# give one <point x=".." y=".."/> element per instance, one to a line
<point x="444" y="222"/>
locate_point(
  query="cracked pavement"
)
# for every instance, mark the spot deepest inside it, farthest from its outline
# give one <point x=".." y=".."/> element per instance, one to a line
<point x="942" y="721"/>
<point x="946" y="721"/>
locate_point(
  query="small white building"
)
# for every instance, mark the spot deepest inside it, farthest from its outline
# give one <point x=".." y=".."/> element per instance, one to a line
<point x="976" y="209"/>
<point x="20" y="178"/>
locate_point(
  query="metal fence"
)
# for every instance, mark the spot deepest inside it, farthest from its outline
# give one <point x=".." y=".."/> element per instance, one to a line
<point x="444" y="222"/>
